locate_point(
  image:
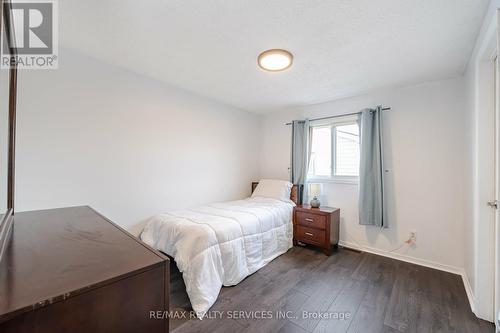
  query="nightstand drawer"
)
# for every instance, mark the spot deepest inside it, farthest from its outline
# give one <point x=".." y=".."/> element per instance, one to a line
<point x="310" y="235"/>
<point x="311" y="220"/>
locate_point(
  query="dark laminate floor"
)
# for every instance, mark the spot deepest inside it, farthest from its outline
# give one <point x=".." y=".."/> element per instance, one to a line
<point x="374" y="293"/>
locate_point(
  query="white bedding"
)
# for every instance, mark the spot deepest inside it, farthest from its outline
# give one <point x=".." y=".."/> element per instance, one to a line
<point x="222" y="243"/>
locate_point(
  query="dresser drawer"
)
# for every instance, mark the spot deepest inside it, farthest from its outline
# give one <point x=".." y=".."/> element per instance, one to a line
<point x="311" y="235"/>
<point x="311" y="220"/>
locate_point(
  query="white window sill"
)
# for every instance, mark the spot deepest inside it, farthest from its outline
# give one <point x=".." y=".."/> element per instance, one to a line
<point x="336" y="180"/>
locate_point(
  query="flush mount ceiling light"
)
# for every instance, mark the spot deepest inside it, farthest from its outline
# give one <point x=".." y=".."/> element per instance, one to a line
<point x="275" y="60"/>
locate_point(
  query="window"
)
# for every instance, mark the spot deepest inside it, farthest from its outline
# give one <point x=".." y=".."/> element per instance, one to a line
<point x="335" y="151"/>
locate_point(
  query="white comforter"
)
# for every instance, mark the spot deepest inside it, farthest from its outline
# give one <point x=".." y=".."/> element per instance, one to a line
<point x="222" y="243"/>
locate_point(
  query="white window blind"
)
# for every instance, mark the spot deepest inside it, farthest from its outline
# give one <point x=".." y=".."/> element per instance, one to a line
<point x="347" y="150"/>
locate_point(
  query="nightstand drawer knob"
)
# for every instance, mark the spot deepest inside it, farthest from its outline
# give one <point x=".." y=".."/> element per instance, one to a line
<point x="309" y="234"/>
<point x="309" y="220"/>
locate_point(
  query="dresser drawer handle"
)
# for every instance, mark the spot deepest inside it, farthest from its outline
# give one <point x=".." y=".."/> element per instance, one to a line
<point x="309" y="220"/>
<point x="309" y="234"/>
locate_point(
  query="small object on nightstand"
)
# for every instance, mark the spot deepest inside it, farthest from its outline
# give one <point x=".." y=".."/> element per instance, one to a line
<point x="315" y="191"/>
<point x="316" y="226"/>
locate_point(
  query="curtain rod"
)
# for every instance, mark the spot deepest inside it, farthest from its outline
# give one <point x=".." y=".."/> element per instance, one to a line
<point x="340" y="115"/>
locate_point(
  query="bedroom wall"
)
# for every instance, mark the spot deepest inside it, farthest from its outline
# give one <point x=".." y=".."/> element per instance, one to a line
<point x="425" y="156"/>
<point x="94" y="134"/>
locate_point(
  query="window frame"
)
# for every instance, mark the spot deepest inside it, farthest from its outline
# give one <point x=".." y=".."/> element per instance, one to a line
<point x="333" y="124"/>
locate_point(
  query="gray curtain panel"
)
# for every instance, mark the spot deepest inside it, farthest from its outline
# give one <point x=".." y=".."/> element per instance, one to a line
<point x="300" y="154"/>
<point x="371" y="170"/>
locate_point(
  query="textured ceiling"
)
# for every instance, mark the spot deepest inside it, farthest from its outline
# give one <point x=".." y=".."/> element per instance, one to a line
<point x="340" y="47"/>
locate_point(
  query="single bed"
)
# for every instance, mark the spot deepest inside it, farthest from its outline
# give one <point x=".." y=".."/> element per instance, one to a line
<point x="222" y="243"/>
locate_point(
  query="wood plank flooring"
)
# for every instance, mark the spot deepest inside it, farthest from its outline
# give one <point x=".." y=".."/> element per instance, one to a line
<point x="346" y="292"/>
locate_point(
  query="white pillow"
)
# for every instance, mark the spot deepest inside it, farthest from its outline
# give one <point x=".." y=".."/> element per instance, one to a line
<point x="272" y="188"/>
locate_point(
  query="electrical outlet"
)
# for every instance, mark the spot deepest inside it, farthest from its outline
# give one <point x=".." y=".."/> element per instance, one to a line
<point x="413" y="235"/>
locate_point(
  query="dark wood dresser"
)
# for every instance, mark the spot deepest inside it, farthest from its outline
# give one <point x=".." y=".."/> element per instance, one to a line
<point x="72" y="270"/>
<point x="316" y="226"/>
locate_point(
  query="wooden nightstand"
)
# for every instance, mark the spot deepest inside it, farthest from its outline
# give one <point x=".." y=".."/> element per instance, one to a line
<point x="316" y="226"/>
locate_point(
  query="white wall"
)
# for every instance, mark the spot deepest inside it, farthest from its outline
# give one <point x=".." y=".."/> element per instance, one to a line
<point x="94" y="134"/>
<point x="424" y="152"/>
<point x="479" y="177"/>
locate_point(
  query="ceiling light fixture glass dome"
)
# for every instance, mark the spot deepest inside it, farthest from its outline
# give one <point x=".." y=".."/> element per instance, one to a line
<point x="275" y="60"/>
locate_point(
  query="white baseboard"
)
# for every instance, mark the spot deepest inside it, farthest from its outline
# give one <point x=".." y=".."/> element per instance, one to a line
<point x="468" y="290"/>
<point x="403" y="257"/>
<point x="418" y="261"/>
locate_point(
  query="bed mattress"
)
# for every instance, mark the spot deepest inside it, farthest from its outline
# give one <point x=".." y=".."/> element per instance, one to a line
<point x="222" y="243"/>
